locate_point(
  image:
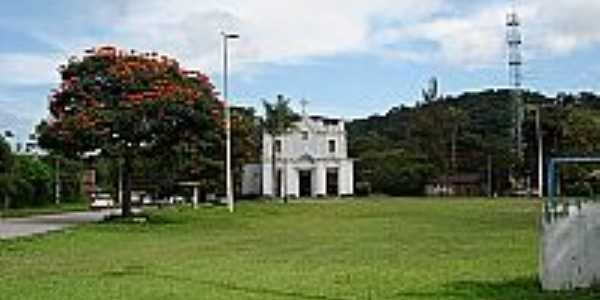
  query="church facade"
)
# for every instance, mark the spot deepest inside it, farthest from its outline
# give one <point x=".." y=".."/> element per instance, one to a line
<point x="311" y="160"/>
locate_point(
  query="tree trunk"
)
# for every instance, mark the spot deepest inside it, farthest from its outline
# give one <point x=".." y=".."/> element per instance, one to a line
<point x="126" y="204"/>
<point x="6" y="201"/>
<point x="203" y="195"/>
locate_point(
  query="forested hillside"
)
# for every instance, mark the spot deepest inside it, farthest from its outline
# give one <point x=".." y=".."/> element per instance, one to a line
<point x="401" y="151"/>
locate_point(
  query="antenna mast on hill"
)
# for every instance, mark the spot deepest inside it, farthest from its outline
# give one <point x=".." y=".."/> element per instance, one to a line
<point x="514" y="40"/>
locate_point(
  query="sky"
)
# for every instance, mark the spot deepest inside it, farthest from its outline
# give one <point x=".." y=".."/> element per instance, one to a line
<point x="348" y="58"/>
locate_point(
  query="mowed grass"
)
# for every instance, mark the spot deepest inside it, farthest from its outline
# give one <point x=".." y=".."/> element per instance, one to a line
<point x="370" y="249"/>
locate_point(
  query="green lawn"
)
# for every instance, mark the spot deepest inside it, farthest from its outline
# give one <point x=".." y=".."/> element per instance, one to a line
<point x="375" y="249"/>
<point x="44" y="210"/>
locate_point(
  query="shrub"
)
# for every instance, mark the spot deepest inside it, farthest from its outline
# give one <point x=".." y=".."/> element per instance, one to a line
<point x="33" y="181"/>
<point x="394" y="173"/>
<point x="362" y="189"/>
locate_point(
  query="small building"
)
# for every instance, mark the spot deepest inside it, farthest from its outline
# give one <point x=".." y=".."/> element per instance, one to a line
<point x="311" y="160"/>
<point x="252" y="180"/>
<point x="456" y="185"/>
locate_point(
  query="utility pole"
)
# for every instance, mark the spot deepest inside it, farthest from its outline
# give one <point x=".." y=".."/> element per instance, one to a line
<point x="120" y="183"/>
<point x="453" y="148"/>
<point x="489" y="177"/>
<point x="540" y="140"/>
<point x="57" y="180"/>
<point x="285" y="183"/>
<point x="229" y="186"/>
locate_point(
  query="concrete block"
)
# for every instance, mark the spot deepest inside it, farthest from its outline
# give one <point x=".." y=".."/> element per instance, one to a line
<point x="570" y="247"/>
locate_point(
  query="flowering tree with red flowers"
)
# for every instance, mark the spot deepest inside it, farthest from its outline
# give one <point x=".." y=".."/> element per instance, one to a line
<point x="125" y="104"/>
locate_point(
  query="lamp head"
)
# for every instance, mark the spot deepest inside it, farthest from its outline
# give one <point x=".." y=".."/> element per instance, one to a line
<point x="230" y="35"/>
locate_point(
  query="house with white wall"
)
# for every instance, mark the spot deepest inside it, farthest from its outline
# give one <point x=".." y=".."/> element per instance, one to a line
<point x="311" y="160"/>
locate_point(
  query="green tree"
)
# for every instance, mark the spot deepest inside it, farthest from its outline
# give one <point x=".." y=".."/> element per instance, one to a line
<point x="582" y="131"/>
<point x="459" y="133"/>
<point x="127" y="105"/>
<point x="452" y="133"/>
<point x="34" y="180"/>
<point x="433" y="129"/>
<point x="6" y="177"/>
<point x="459" y="120"/>
<point x="279" y="119"/>
<point x="394" y="172"/>
<point x="580" y="137"/>
<point x="246" y="137"/>
<point x="6" y="157"/>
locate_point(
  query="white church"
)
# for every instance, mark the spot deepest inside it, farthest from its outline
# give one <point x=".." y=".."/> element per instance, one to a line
<point x="311" y="161"/>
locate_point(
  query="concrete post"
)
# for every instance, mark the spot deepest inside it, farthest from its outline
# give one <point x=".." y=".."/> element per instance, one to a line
<point x="195" y="197"/>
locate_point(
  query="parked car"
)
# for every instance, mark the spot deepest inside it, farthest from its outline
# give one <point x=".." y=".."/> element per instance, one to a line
<point x="101" y="200"/>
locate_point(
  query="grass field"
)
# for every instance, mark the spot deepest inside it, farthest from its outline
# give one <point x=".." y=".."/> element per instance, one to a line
<point x="375" y="249"/>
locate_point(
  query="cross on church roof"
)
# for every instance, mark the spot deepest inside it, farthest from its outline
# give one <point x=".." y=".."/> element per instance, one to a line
<point x="304" y="103"/>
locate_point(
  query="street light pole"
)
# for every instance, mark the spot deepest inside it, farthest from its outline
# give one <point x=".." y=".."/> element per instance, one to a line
<point x="229" y="187"/>
<point x="540" y="140"/>
<point x="57" y="180"/>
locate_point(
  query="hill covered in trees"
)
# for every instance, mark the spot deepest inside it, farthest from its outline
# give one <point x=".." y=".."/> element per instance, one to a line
<point x="401" y="151"/>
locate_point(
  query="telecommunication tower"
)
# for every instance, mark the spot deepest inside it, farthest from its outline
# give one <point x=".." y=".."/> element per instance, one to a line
<point x="514" y="40"/>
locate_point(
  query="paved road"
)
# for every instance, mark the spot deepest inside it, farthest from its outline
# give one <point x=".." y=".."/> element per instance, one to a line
<point x="22" y="227"/>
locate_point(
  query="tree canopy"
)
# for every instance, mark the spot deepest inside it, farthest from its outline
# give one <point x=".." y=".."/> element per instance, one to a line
<point x="457" y="134"/>
<point x="126" y="104"/>
<point x="279" y="117"/>
<point x="6" y="158"/>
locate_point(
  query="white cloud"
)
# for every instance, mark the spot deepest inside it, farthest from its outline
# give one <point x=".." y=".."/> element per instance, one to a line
<point x="476" y="37"/>
<point x="290" y="32"/>
<point x="469" y="40"/>
<point x="459" y="33"/>
<point x="28" y="69"/>
<point x="562" y="26"/>
<point x="279" y="32"/>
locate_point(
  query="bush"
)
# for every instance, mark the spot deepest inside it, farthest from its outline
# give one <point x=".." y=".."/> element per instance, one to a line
<point x="394" y="173"/>
<point x="27" y="181"/>
<point x="33" y="180"/>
